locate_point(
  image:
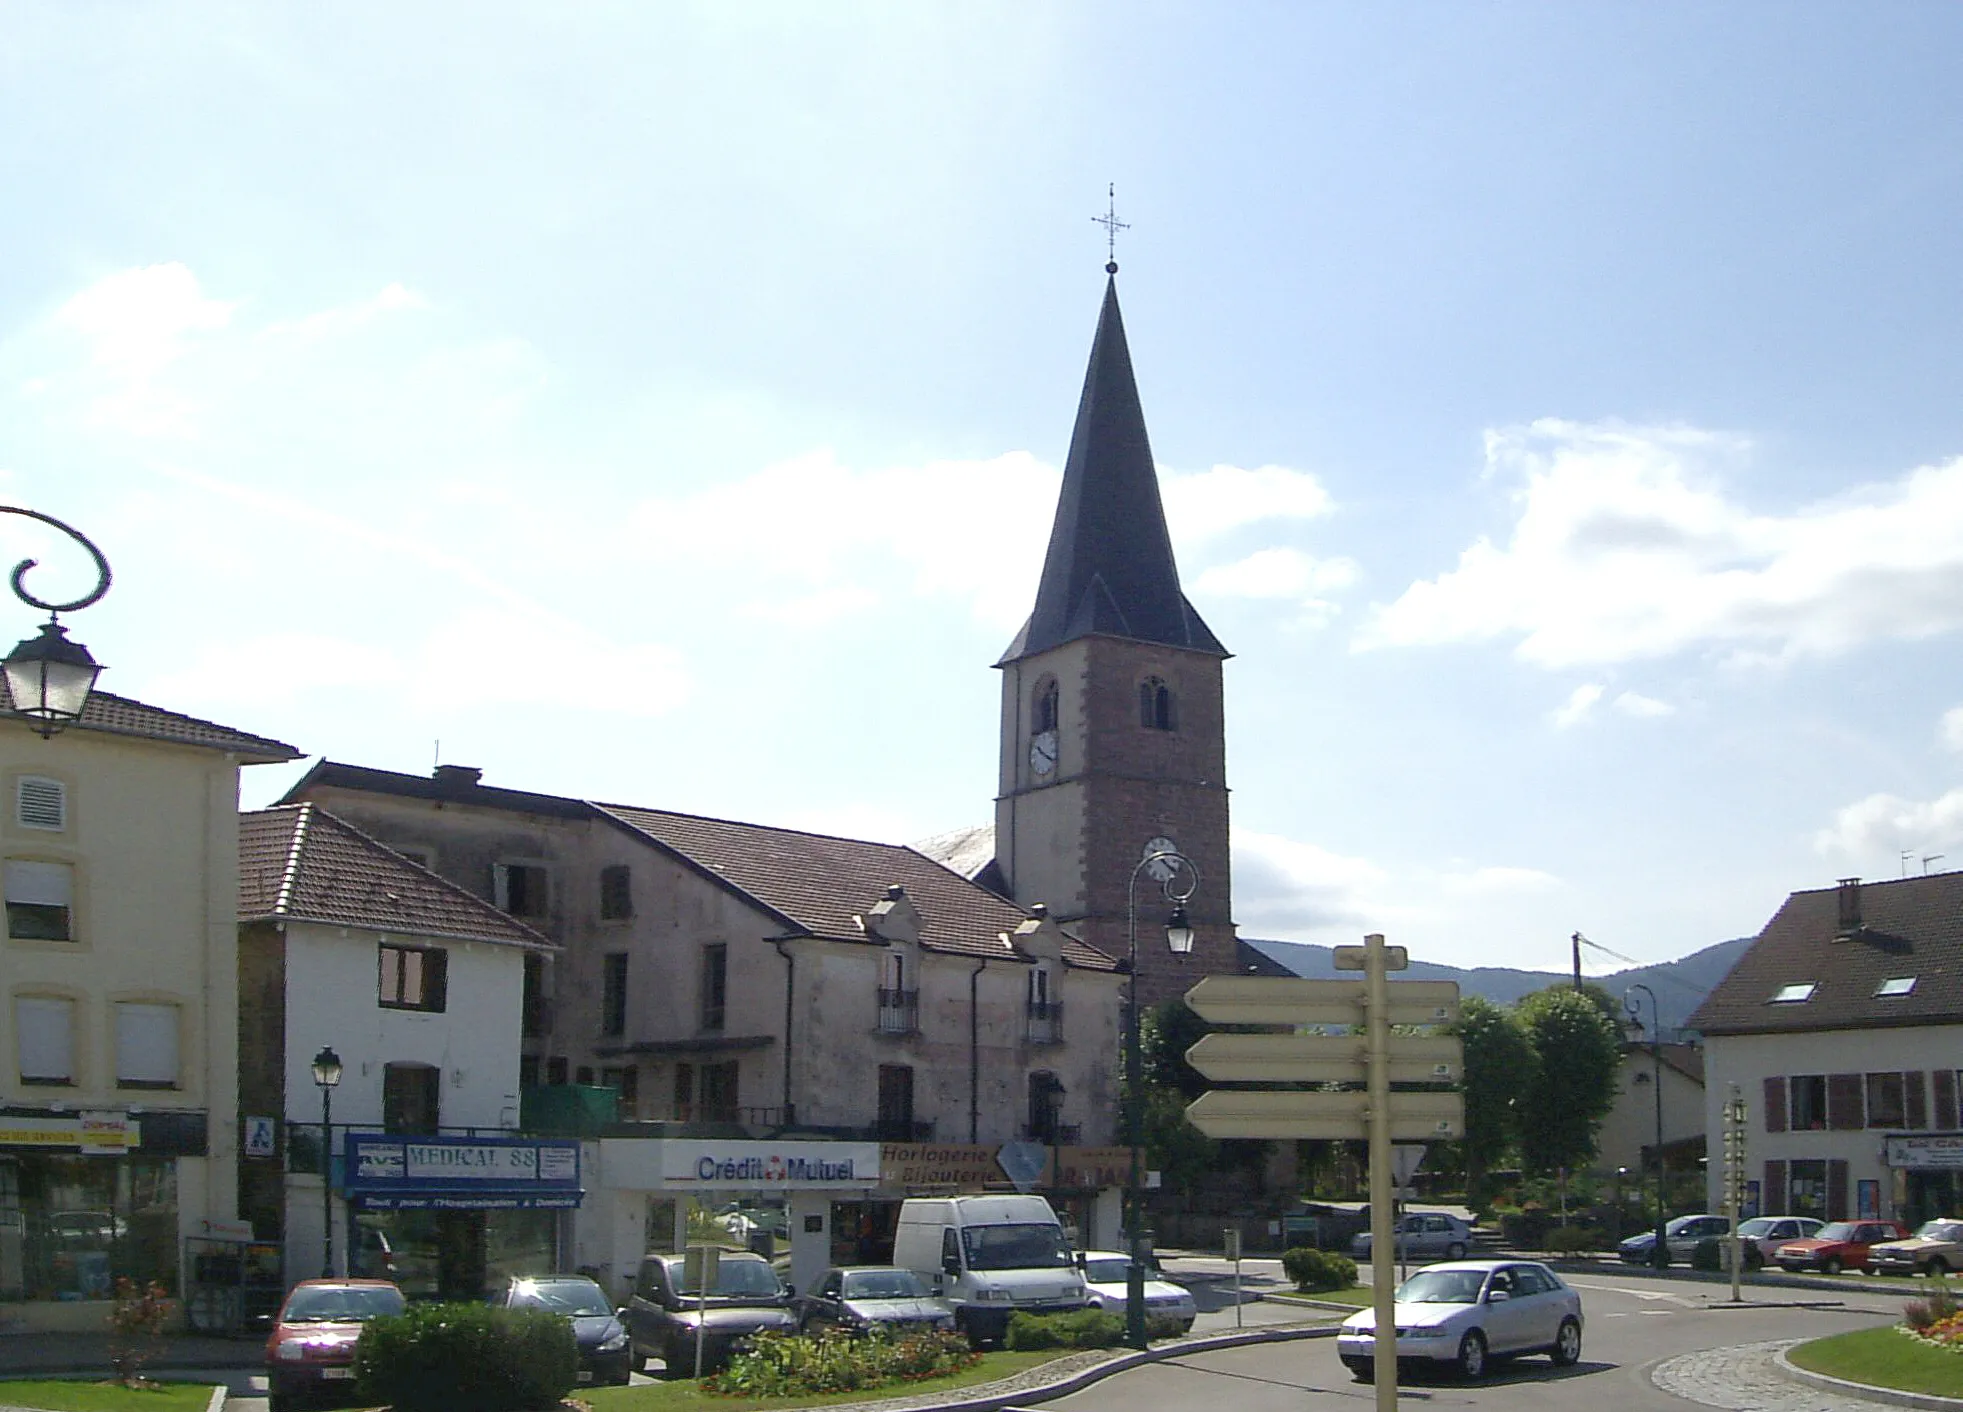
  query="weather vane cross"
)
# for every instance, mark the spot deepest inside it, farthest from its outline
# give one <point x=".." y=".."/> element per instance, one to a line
<point x="1112" y="225"/>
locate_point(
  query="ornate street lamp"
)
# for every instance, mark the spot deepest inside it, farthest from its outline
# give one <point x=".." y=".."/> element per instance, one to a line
<point x="1171" y="869"/>
<point x="327" y="1073"/>
<point x="49" y="677"/>
<point x="1661" y="1254"/>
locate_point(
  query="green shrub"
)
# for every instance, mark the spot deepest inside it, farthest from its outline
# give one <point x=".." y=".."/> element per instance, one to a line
<point x="1315" y="1271"/>
<point x="1571" y="1240"/>
<point x="1527" y="1228"/>
<point x="1921" y="1313"/>
<point x="438" y="1357"/>
<point x="1086" y="1328"/>
<point x="784" y="1365"/>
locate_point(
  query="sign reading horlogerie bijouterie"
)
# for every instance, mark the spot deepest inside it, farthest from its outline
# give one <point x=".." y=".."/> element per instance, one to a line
<point x="1932" y="1150"/>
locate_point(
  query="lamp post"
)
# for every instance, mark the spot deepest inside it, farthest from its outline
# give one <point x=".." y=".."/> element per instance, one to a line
<point x="1661" y="1255"/>
<point x="327" y="1073"/>
<point x="48" y="677"/>
<point x="1169" y="868"/>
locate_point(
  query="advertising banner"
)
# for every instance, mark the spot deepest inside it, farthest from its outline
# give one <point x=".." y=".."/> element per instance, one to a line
<point x="401" y="1172"/>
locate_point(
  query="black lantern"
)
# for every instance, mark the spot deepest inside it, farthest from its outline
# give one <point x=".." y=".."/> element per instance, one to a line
<point x="49" y="678"/>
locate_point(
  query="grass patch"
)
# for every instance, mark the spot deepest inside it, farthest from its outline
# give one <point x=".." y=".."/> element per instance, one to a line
<point x="1356" y="1296"/>
<point x="59" y="1395"/>
<point x="676" y="1396"/>
<point x="1885" y="1358"/>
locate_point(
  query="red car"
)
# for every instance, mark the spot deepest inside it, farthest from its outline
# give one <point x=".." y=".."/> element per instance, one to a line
<point x="311" y="1349"/>
<point x="1838" y="1246"/>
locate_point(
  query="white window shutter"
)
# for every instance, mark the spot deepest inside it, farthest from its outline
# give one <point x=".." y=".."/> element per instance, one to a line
<point x="41" y="884"/>
<point x="46" y="1028"/>
<point x="41" y="803"/>
<point x="146" y="1043"/>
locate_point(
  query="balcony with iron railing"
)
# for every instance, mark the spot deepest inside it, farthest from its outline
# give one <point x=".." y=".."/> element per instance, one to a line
<point x="902" y="1130"/>
<point x="1045" y="1021"/>
<point x="899" y="1011"/>
<point x="1053" y="1134"/>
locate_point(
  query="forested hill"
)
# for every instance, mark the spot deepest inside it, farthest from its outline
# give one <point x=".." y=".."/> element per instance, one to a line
<point x="1679" y="985"/>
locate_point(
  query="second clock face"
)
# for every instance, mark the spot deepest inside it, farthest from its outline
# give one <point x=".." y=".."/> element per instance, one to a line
<point x="1042" y="752"/>
<point x="1161" y="868"/>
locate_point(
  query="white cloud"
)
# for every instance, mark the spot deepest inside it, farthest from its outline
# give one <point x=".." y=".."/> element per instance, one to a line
<point x="1884" y="826"/>
<point x="1499" y="881"/>
<point x="136" y="324"/>
<point x="1576" y="709"/>
<point x="1632" y="703"/>
<point x="1210" y="503"/>
<point x="1282" y="886"/>
<point x="1623" y="547"/>
<point x="1950" y="731"/>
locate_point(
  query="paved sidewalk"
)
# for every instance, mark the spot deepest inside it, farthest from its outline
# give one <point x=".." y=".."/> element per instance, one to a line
<point x="1747" y="1378"/>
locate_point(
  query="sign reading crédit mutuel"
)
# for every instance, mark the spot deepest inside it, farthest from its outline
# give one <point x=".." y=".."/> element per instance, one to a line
<point x="391" y="1172"/>
<point x="756" y="1166"/>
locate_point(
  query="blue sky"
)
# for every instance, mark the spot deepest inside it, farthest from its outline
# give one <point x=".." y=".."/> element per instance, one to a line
<point x="1556" y="409"/>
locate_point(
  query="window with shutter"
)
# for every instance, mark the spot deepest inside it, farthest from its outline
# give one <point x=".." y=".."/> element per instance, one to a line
<point x="1775" y="1104"/>
<point x="41" y="803"/>
<point x="1916" y="1092"/>
<point x="1836" y="1189"/>
<point x="1944" y="1082"/>
<point x="146" y="1045"/>
<point x="1845" y="1111"/>
<point x="40" y="901"/>
<point x="1772" y="1201"/>
<point x="45" y="1028"/>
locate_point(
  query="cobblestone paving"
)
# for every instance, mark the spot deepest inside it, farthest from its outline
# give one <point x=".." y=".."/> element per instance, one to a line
<point x="1746" y="1379"/>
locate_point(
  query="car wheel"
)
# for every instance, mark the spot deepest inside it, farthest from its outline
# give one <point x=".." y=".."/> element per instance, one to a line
<point x="1754" y="1259"/>
<point x="1830" y="1265"/>
<point x="1472" y="1356"/>
<point x="1567" y="1345"/>
<point x="1364" y="1370"/>
<point x="1455" y="1251"/>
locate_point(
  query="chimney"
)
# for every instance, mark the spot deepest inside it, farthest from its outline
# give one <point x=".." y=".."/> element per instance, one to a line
<point x="458" y="776"/>
<point x="1850" y="908"/>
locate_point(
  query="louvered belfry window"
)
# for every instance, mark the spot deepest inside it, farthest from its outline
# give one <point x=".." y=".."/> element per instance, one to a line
<point x="41" y="803"/>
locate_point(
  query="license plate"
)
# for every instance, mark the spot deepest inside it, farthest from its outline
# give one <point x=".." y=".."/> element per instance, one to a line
<point x="586" y="1375"/>
<point x="337" y="1372"/>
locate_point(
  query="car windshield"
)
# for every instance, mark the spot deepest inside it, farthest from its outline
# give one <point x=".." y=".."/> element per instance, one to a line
<point x="570" y="1297"/>
<point x="1108" y="1272"/>
<point x="1757" y="1226"/>
<point x="883" y="1284"/>
<point x="1839" y="1230"/>
<point x="1441" y="1287"/>
<point x="735" y="1278"/>
<point x="1022" y="1247"/>
<point x="1941" y="1230"/>
<point x="318" y="1304"/>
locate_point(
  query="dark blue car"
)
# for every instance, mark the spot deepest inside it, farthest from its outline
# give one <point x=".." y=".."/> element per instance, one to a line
<point x="604" y="1356"/>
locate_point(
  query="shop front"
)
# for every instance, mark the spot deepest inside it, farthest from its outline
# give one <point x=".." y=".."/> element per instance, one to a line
<point x="454" y="1217"/>
<point x="1926" y="1172"/>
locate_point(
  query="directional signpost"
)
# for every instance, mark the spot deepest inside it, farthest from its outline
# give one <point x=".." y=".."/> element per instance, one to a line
<point x="1356" y="1071"/>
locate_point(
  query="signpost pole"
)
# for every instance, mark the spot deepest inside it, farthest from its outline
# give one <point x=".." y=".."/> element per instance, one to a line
<point x="1232" y="1236"/>
<point x="1376" y="1013"/>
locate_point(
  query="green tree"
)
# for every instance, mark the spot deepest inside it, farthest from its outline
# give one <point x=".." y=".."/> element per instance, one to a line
<point x="1501" y="1065"/>
<point x="1574" y="1085"/>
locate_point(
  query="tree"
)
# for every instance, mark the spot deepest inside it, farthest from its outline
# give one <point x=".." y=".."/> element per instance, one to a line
<point x="1501" y="1065"/>
<point x="1574" y="1085"/>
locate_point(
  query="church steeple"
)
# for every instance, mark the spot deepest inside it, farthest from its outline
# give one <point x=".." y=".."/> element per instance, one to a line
<point x="1110" y="571"/>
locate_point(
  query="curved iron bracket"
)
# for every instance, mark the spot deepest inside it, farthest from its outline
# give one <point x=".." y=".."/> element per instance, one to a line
<point x="19" y="576"/>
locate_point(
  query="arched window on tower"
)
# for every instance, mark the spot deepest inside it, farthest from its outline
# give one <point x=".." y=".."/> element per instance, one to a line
<point x="1046" y="708"/>
<point x="1157" y="710"/>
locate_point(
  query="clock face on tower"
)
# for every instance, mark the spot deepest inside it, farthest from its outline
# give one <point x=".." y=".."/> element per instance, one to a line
<point x="1161" y="868"/>
<point x="1042" y="752"/>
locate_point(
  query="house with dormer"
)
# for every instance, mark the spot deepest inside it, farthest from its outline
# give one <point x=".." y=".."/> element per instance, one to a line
<point x="1842" y="1029"/>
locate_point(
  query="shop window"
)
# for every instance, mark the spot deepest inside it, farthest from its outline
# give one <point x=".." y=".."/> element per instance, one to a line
<point x="413" y="977"/>
<point x="74" y="1224"/>
<point x="1887" y="1103"/>
<point x="45" y="1030"/>
<point x="1809" y="1106"/>
<point x="519" y="888"/>
<point x="40" y="901"/>
<point x="411" y="1096"/>
<point x="1157" y="709"/>
<point x="715" y="984"/>
<point x="146" y="1045"/>
<point x="616" y="892"/>
<point x="613" y="999"/>
<point x="41" y="803"/>
<point x="1808" y="1189"/>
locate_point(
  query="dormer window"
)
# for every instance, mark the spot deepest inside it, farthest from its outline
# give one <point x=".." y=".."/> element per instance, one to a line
<point x="1795" y="994"/>
<point x="1896" y="985"/>
<point x="1157" y="710"/>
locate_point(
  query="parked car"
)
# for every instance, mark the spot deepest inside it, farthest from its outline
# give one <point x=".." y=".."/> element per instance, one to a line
<point x="1837" y="1246"/>
<point x="1465" y="1313"/>
<point x="1935" y="1249"/>
<point x="1168" y="1307"/>
<point x="859" y="1297"/>
<point x="311" y="1348"/>
<point x="1763" y="1235"/>
<point x="602" y="1338"/>
<point x="1422" y="1235"/>
<point x="1681" y="1235"/>
<point x="666" y="1310"/>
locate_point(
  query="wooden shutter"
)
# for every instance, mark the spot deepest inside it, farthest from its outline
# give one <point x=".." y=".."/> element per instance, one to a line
<point x="1846" y="1107"/>
<point x="1772" y="1201"/>
<point x="1915" y="1099"/>
<point x="1836" y="1189"/>
<point x="1945" y="1084"/>
<point x="1775" y="1113"/>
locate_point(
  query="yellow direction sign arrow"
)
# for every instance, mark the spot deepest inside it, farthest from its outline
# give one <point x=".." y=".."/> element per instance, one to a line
<point x="1265" y="1113"/>
<point x="1324" y="1058"/>
<point x="1288" y="1000"/>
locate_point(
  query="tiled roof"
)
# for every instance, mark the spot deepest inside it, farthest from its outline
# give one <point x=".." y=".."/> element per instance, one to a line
<point x="297" y="862"/>
<point x="1912" y="927"/>
<point x="968" y="851"/>
<point x="118" y="715"/>
<point x="816" y="883"/>
<point x="451" y="784"/>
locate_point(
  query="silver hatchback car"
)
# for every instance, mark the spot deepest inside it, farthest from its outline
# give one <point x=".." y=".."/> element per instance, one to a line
<point x="1422" y="1235"/>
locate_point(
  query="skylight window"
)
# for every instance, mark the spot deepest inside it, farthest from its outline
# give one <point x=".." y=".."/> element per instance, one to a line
<point x="1794" y="994"/>
<point x="1896" y="985"/>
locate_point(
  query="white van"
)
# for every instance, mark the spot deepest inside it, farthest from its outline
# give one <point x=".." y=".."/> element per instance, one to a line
<point x="992" y="1256"/>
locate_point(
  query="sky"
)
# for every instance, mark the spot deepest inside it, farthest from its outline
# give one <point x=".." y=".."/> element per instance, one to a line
<point x="1556" y="411"/>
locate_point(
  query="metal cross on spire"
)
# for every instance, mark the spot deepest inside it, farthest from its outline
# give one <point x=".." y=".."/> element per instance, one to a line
<point x="1112" y="225"/>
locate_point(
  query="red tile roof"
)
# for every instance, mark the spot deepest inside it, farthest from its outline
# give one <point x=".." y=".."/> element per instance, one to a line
<point x="297" y="862"/>
<point x="817" y="883"/>
<point x="118" y="715"/>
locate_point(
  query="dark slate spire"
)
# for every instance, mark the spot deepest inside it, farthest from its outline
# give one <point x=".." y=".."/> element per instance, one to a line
<point x="1110" y="569"/>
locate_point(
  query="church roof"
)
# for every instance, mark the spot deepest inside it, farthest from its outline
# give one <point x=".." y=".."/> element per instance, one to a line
<point x="1110" y="570"/>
